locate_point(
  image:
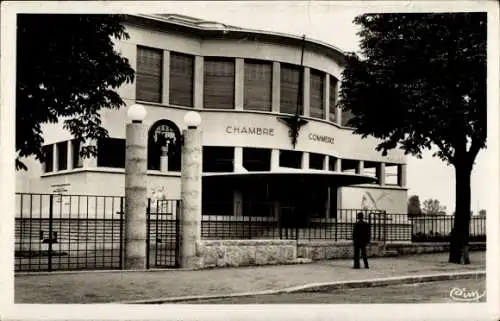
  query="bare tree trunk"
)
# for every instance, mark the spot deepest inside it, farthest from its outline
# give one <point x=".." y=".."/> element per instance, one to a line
<point x="460" y="235"/>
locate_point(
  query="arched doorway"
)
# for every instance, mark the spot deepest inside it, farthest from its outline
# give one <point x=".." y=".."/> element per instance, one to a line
<point x="164" y="139"/>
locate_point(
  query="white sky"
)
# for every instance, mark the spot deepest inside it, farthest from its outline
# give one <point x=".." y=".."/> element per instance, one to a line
<point x="331" y="22"/>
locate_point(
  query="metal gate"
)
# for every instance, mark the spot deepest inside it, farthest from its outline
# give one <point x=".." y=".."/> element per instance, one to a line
<point x="163" y="233"/>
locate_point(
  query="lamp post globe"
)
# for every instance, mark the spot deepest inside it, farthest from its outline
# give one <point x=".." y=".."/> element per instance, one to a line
<point x="192" y="119"/>
<point x="136" y="113"/>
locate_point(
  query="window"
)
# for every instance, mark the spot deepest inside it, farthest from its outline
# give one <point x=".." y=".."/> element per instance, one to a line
<point x="331" y="163"/>
<point x="149" y="74"/>
<point x="218" y="159"/>
<point x="316" y="161"/>
<point x="346" y="117"/>
<point x="258" y="85"/>
<point x="111" y="153"/>
<point x="391" y="174"/>
<point x="48" y="152"/>
<point x="77" y="160"/>
<point x="218" y="82"/>
<point x="333" y="98"/>
<point x="256" y="159"/>
<point x="62" y="156"/>
<point x="290" y="89"/>
<point x="371" y="169"/>
<point x="181" y="79"/>
<point x="290" y="158"/>
<point x="349" y="166"/>
<point x="316" y="103"/>
<point x="217" y="199"/>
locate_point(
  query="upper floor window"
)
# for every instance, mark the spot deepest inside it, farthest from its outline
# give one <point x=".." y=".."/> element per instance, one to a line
<point x="77" y="159"/>
<point x="290" y="89"/>
<point x="258" y="85"/>
<point x="316" y="161"/>
<point x="48" y="152"/>
<point x="333" y="99"/>
<point x="111" y="152"/>
<point x="316" y="92"/>
<point x="149" y="74"/>
<point x="62" y="156"/>
<point x="218" y="83"/>
<point x="181" y="79"/>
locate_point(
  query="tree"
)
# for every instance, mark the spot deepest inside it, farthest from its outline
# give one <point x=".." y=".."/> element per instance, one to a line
<point x="66" y="68"/>
<point x="420" y="82"/>
<point x="433" y="207"/>
<point x="414" y="205"/>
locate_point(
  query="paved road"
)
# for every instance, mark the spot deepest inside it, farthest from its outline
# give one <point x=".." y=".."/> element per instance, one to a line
<point x="102" y="287"/>
<point x="432" y="292"/>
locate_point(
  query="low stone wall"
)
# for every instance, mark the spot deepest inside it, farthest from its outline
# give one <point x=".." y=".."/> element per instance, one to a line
<point x="420" y="248"/>
<point x="327" y="250"/>
<point x="233" y="253"/>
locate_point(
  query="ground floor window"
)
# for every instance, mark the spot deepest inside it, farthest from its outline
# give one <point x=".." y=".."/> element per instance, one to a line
<point x="256" y="159"/>
<point x="290" y="159"/>
<point x="218" y="159"/>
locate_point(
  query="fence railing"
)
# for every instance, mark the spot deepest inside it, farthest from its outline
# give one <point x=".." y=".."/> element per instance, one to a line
<point x="84" y="232"/>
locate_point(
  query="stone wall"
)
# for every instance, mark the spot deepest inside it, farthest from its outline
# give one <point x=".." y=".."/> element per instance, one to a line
<point x="232" y="253"/>
<point x="327" y="250"/>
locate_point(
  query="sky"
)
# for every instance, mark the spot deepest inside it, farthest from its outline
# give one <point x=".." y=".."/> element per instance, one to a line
<point x="331" y="22"/>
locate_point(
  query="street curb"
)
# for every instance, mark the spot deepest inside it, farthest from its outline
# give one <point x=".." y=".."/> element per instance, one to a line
<point x="327" y="286"/>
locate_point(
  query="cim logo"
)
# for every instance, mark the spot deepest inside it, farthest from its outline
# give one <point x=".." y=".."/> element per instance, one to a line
<point x="465" y="295"/>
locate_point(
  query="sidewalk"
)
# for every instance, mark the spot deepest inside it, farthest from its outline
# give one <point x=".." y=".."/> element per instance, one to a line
<point x="106" y="287"/>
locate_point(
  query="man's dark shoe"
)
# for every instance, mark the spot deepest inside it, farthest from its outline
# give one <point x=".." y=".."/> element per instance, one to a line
<point x="367" y="267"/>
<point x="356" y="267"/>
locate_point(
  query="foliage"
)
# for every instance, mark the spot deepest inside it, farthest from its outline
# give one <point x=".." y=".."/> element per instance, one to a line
<point x="422" y="82"/>
<point x="66" y="68"/>
<point x="414" y="205"/>
<point x="433" y="207"/>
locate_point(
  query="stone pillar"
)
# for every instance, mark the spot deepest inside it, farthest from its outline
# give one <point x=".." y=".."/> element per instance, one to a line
<point x="305" y="160"/>
<point x="337" y="167"/>
<point x="381" y="174"/>
<point x="326" y="96"/>
<point x="276" y="87"/>
<point x="70" y="155"/>
<point x="135" y="196"/>
<point x="402" y="175"/>
<point x="338" y="111"/>
<point x="166" y="78"/>
<point x="90" y="162"/>
<point x="55" y="158"/>
<point x="361" y="167"/>
<point x="238" y="159"/>
<point x="275" y="159"/>
<point x="306" y="90"/>
<point x="164" y="159"/>
<point x="198" y="82"/>
<point x="191" y="176"/>
<point x="239" y="83"/>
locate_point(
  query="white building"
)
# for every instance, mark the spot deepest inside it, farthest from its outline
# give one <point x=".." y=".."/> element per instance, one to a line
<point x="241" y="82"/>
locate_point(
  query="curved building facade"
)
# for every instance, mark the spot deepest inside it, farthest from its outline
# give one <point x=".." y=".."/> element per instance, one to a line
<point x="247" y="85"/>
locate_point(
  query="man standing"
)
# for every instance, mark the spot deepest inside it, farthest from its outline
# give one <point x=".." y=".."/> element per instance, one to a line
<point x="360" y="238"/>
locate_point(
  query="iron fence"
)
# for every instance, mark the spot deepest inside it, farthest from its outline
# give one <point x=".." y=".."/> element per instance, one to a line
<point x="86" y="232"/>
<point x="68" y="232"/>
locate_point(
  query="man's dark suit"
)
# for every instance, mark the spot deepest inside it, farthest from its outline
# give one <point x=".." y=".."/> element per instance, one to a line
<point x="360" y="237"/>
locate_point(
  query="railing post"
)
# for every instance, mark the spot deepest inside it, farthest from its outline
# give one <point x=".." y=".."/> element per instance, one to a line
<point x="178" y="212"/>
<point x="122" y="214"/>
<point x="51" y="214"/>
<point x="148" y="232"/>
